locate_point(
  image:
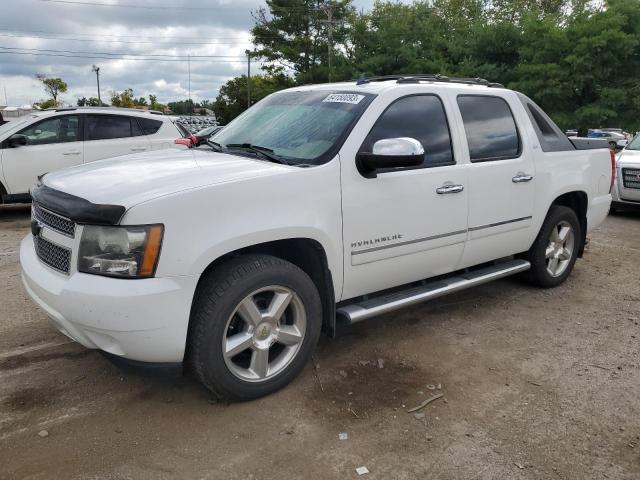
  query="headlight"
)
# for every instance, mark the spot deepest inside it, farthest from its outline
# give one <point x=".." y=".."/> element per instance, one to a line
<point x="125" y="252"/>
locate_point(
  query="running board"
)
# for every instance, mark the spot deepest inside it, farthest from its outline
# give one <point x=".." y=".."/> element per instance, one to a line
<point x="390" y="302"/>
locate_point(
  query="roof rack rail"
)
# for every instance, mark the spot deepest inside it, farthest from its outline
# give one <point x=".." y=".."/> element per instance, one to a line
<point x="108" y="107"/>
<point x="427" y="77"/>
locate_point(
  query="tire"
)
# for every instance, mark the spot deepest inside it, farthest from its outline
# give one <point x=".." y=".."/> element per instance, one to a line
<point x="565" y="243"/>
<point x="263" y="303"/>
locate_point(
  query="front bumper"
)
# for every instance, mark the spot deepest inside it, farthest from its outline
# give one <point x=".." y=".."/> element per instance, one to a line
<point x="144" y="320"/>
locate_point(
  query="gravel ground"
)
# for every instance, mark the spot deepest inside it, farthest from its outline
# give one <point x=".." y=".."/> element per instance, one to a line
<point x="537" y="384"/>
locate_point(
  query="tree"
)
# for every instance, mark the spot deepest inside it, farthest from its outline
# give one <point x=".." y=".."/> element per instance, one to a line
<point x="154" y="104"/>
<point x="53" y="87"/>
<point x="293" y="34"/>
<point x="45" y="104"/>
<point x="232" y="99"/>
<point x="90" y="102"/>
<point x="124" y="99"/>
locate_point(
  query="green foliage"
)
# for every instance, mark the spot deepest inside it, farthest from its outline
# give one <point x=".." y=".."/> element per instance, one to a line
<point x="44" y="104"/>
<point x="232" y="99"/>
<point x="90" y="102"/>
<point x="182" y="107"/>
<point x="155" y="105"/>
<point x="53" y="87"/>
<point x="124" y="99"/>
<point x="578" y="59"/>
<point x="293" y="34"/>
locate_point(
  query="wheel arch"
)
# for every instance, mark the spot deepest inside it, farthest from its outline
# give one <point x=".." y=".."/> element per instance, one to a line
<point x="577" y="201"/>
<point x="307" y="254"/>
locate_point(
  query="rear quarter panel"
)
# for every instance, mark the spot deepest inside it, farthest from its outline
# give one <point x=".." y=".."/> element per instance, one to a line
<point x="587" y="171"/>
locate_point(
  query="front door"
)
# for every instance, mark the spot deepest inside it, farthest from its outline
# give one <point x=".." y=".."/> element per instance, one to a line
<point x="402" y="225"/>
<point x="501" y="179"/>
<point x="52" y="144"/>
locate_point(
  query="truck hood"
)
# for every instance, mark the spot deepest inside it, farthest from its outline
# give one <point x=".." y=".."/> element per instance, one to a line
<point x="630" y="158"/>
<point x="133" y="179"/>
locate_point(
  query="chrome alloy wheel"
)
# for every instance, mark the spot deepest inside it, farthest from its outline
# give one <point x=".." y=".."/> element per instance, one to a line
<point x="560" y="249"/>
<point x="264" y="333"/>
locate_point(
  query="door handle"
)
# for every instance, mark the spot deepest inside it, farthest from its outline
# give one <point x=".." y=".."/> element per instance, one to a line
<point x="522" y="178"/>
<point x="138" y="149"/>
<point x="73" y="152"/>
<point x="449" y="189"/>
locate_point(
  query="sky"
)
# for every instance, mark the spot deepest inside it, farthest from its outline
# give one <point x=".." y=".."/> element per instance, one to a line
<point x="158" y="30"/>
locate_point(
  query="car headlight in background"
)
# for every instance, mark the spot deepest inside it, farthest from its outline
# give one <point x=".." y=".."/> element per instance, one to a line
<point x="125" y="252"/>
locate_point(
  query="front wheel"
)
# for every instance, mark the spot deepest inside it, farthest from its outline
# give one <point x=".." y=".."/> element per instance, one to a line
<point x="254" y="325"/>
<point x="555" y="250"/>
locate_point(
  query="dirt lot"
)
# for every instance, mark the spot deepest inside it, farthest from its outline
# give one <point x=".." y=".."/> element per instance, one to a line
<point x="537" y="384"/>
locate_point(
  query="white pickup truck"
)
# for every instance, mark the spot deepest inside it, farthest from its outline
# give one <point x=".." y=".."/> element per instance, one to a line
<point x="319" y="205"/>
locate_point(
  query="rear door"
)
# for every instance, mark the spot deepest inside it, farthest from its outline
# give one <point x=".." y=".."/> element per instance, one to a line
<point x="52" y="143"/>
<point x="160" y="134"/>
<point x="501" y="178"/>
<point x="109" y="136"/>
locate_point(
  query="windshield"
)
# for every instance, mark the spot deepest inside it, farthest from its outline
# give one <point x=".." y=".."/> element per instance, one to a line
<point x="303" y="127"/>
<point x="635" y="143"/>
<point x="10" y="126"/>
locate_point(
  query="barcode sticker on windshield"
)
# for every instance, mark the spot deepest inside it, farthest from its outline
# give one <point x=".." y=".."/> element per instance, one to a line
<point x="353" y="98"/>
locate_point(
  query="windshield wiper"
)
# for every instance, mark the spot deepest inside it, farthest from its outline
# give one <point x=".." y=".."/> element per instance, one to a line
<point x="215" y="145"/>
<point x="264" y="151"/>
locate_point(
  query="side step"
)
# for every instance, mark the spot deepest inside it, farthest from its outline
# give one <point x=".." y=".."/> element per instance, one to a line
<point x="390" y="302"/>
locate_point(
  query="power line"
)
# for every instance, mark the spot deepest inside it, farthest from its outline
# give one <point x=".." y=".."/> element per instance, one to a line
<point x="156" y="7"/>
<point x="122" y="54"/>
<point x="156" y="42"/>
<point x="100" y="35"/>
<point x="118" y="58"/>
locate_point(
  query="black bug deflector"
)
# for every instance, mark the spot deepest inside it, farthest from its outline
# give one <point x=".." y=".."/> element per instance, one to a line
<point x="75" y="208"/>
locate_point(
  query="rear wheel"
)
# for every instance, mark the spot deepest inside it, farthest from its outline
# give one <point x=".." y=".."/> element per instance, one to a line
<point x="255" y="323"/>
<point x="556" y="247"/>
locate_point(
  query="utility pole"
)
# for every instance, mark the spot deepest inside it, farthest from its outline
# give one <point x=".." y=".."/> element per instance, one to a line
<point x="189" y="70"/>
<point x="97" y="70"/>
<point x="328" y="10"/>
<point x="248" y="78"/>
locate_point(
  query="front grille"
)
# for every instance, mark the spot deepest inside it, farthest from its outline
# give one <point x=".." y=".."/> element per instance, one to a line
<point x="54" y="221"/>
<point x="631" y="178"/>
<point x="53" y="255"/>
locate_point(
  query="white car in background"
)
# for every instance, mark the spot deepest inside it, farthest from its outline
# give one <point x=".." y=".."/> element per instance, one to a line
<point x="49" y="140"/>
<point x="626" y="190"/>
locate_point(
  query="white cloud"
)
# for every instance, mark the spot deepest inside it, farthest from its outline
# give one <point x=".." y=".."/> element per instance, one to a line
<point x="224" y="24"/>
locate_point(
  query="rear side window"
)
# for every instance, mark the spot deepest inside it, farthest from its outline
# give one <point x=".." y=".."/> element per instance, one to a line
<point x="149" y="126"/>
<point x="551" y="138"/>
<point x="108" y="127"/>
<point x="417" y="116"/>
<point x="490" y="128"/>
<point x="53" y="130"/>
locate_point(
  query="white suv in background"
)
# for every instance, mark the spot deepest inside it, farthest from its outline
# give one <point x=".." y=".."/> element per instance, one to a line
<point x="626" y="190"/>
<point x="54" y="139"/>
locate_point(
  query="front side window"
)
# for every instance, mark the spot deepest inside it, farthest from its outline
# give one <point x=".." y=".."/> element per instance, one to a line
<point x="108" y="127"/>
<point x="490" y="127"/>
<point x="421" y="117"/>
<point x="302" y="127"/>
<point x="53" y="130"/>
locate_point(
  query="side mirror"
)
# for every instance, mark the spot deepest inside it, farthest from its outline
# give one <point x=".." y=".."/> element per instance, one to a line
<point x="400" y="152"/>
<point x="187" y="142"/>
<point x="17" y="140"/>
